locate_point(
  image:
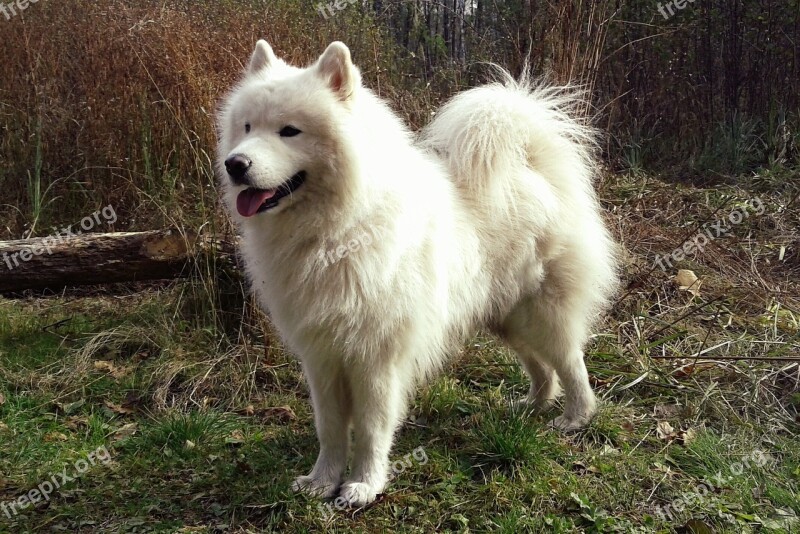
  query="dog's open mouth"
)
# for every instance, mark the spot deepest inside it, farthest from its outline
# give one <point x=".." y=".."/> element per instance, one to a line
<point x="252" y="201"/>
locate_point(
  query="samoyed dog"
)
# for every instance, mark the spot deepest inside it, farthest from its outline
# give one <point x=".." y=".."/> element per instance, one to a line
<point x="377" y="254"/>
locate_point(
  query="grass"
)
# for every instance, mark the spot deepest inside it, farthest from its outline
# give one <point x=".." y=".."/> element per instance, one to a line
<point x="207" y="425"/>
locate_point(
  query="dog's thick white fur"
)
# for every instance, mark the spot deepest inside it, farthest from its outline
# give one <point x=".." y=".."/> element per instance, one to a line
<point x="488" y="220"/>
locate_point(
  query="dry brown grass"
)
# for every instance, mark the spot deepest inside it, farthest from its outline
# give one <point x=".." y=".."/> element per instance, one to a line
<point x="120" y="99"/>
<point x="734" y="344"/>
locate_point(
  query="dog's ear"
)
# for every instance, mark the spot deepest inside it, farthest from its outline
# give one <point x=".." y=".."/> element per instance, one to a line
<point x="337" y="69"/>
<point x="262" y="57"/>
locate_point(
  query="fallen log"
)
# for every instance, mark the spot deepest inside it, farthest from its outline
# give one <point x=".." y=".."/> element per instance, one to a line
<point x="93" y="259"/>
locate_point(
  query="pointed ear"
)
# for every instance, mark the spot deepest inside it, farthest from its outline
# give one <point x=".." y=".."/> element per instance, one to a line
<point x="337" y="69"/>
<point x="262" y="57"/>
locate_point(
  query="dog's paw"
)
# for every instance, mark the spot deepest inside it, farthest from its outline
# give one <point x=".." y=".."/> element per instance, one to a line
<point x="358" y="494"/>
<point x="316" y="487"/>
<point x="563" y="423"/>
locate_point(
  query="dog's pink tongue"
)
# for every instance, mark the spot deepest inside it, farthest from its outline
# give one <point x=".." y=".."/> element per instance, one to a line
<point x="249" y="200"/>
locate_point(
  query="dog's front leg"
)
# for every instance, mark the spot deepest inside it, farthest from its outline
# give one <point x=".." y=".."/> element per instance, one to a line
<point x="332" y="412"/>
<point x="379" y="404"/>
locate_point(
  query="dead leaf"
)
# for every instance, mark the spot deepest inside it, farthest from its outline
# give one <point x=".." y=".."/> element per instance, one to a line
<point x="141" y="356"/>
<point x="579" y="467"/>
<point x="685" y="437"/>
<point x="281" y="413"/>
<point x="125" y="431"/>
<point x="627" y="426"/>
<point x="695" y="526"/>
<point x="665" y="411"/>
<point x="132" y="401"/>
<point x="598" y="383"/>
<point x="116" y="408"/>
<point x="686" y="280"/>
<point x="243" y="467"/>
<point x="691" y="369"/>
<point x="608" y="449"/>
<point x="103" y="365"/>
<point x="665" y="431"/>
<point x="70" y="407"/>
<point x="75" y="422"/>
<point x="55" y="436"/>
<point x="189" y="444"/>
<point x="3" y="427"/>
<point x="110" y="368"/>
<point x="235" y="438"/>
<point x="2" y="399"/>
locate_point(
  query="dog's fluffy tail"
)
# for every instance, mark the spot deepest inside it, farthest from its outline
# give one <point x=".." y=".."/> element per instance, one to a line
<point x="485" y="135"/>
<point x="519" y="136"/>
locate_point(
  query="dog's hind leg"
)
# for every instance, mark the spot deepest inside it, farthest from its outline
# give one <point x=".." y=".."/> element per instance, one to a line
<point x="551" y="337"/>
<point x="579" y="402"/>
<point x="544" y="383"/>
<point x="332" y="413"/>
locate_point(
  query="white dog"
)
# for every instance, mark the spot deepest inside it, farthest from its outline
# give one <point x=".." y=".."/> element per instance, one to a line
<point x="488" y="221"/>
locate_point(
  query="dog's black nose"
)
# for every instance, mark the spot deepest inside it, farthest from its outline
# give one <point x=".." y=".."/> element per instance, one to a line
<point x="237" y="167"/>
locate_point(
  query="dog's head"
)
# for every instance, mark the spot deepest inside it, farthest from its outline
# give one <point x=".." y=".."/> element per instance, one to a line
<point x="280" y="131"/>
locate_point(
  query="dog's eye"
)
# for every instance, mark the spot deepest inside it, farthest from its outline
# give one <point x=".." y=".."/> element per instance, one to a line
<point x="247" y="128"/>
<point x="289" y="131"/>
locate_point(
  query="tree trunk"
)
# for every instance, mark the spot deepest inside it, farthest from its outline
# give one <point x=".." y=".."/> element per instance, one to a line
<point x="92" y="259"/>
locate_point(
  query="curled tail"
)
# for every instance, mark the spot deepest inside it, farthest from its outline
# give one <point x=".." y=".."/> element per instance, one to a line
<point x="488" y="133"/>
<point x="513" y="135"/>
